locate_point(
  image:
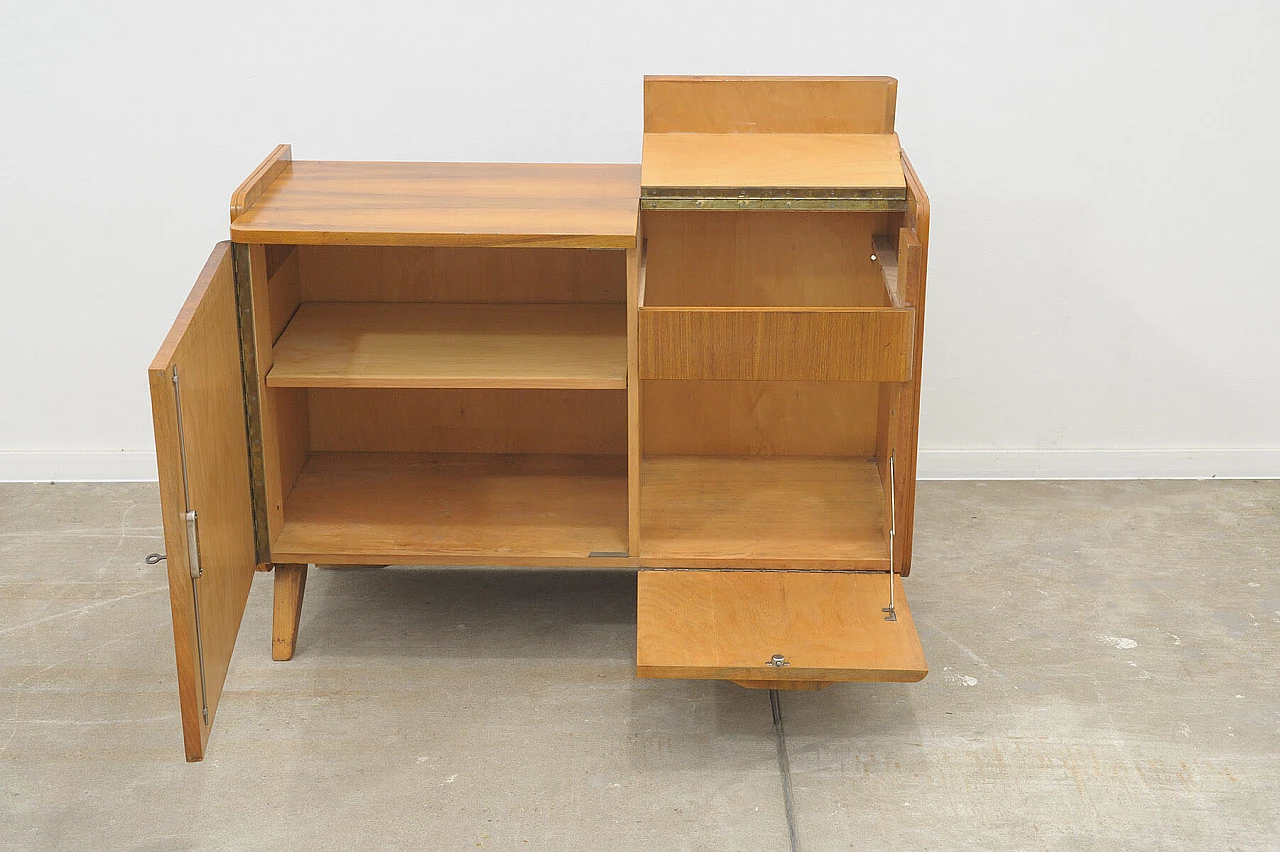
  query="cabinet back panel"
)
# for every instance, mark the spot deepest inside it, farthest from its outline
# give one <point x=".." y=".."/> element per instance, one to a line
<point x="468" y="420"/>
<point x="762" y="258"/>
<point x="703" y="417"/>
<point x="432" y="274"/>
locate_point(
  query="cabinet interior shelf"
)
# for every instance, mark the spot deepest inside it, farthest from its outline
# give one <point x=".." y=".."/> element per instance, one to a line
<point x="798" y="511"/>
<point x="485" y="509"/>
<point x="423" y="345"/>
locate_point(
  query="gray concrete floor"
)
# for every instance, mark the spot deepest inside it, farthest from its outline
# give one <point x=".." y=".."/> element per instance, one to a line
<point x="1104" y="676"/>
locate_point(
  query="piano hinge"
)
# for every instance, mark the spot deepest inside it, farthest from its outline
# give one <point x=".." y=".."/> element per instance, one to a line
<point x="190" y="517"/>
<point x="893" y="526"/>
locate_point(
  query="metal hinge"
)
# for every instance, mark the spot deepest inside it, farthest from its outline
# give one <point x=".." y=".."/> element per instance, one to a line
<point x="193" y="544"/>
<point x="893" y="525"/>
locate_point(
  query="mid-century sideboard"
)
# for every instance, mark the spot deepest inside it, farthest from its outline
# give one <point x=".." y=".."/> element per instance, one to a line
<point x="704" y="369"/>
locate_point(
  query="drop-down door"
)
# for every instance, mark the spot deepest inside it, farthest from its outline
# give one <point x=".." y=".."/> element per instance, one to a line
<point x="777" y="629"/>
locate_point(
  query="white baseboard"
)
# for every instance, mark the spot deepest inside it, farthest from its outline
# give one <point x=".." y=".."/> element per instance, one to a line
<point x="1099" y="464"/>
<point x="140" y="466"/>
<point x="121" y="466"/>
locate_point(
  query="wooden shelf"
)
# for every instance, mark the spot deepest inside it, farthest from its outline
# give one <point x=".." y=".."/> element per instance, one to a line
<point x="455" y="508"/>
<point x="440" y="204"/>
<point x="416" y="345"/>
<point x="743" y="512"/>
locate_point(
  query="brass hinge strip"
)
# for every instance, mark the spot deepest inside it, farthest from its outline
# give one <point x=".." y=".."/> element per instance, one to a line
<point x="872" y="199"/>
<point x="252" y="400"/>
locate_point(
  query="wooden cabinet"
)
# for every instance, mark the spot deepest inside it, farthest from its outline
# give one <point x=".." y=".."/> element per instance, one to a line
<point x="705" y="368"/>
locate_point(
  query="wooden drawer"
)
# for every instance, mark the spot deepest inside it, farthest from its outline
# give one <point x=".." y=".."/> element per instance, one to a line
<point x="790" y="344"/>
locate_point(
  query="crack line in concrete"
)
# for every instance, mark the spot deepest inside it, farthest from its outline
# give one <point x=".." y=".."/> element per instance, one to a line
<point x="81" y="610"/>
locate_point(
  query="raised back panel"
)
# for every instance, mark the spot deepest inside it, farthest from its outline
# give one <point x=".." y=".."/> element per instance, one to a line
<point x="431" y="274"/>
<point x="759" y="258"/>
<point x="769" y="104"/>
<point x="276" y="164"/>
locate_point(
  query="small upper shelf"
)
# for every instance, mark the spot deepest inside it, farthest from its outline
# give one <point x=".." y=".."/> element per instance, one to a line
<point x="421" y="345"/>
<point x="437" y="204"/>
<point x="800" y="171"/>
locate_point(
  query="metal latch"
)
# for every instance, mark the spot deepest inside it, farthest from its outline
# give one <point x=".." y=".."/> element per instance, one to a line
<point x="777" y="661"/>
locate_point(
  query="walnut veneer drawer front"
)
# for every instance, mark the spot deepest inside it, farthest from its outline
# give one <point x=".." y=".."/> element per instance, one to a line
<point x="781" y="344"/>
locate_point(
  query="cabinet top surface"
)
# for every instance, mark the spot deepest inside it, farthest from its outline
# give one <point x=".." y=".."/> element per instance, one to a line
<point x="796" y="165"/>
<point x="496" y="204"/>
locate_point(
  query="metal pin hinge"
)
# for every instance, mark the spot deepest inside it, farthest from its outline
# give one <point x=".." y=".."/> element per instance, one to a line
<point x="777" y="661"/>
<point x="193" y="544"/>
<point x="893" y="527"/>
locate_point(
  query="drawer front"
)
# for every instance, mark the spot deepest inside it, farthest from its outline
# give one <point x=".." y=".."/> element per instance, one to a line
<point x="785" y="344"/>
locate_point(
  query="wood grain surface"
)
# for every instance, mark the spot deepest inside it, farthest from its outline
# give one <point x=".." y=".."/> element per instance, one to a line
<point x="769" y="104"/>
<point x="248" y="193"/>
<point x="801" y="344"/>
<point x="749" y="161"/>
<point x="468" y="420"/>
<point x="913" y="267"/>
<point x="416" y="345"/>
<point x="781" y="512"/>
<point x="762" y="259"/>
<point x="729" y="624"/>
<point x="460" y="509"/>
<point x="461" y="274"/>
<point x="290" y="584"/>
<point x="460" y="204"/>
<point x="204" y="346"/>
<point x="274" y="291"/>
<point x="713" y="417"/>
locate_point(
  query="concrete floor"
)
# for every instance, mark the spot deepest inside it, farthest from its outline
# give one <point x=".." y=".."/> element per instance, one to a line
<point x="1104" y="676"/>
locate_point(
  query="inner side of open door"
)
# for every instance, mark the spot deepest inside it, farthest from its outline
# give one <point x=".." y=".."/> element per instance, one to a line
<point x="197" y="400"/>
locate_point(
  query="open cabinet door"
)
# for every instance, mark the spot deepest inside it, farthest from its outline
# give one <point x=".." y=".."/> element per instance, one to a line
<point x="774" y="629"/>
<point x="197" y="403"/>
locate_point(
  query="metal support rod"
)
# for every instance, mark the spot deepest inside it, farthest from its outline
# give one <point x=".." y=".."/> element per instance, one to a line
<point x="193" y="546"/>
<point x="784" y="769"/>
<point x="893" y="528"/>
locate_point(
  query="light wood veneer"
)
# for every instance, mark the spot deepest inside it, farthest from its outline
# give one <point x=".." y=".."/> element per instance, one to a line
<point x="720" y="625"/>
<point x="415" y="345"/>
<point x="445" y="204"/>
<point x="455" y="509"/>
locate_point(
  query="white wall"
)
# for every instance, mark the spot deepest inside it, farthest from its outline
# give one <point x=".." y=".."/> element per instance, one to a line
<point x="1103" y="284"/>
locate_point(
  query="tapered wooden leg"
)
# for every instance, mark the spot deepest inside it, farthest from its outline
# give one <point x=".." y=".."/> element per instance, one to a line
<point x="291" y="580"/>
